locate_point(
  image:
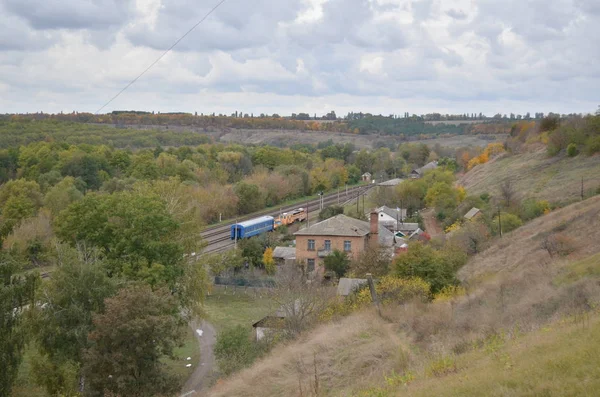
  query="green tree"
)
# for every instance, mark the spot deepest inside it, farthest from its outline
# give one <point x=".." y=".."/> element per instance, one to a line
<point x="572" y="150"/>
<point x="252" y="251"/>
<point x="76" y="290"/>
<point x="374" y="261"/>
<point x="19" y="199"/>
<point x="62" y="195"/>
<point x="135" y="232"/>
<point x="337" y="262"/>
<point x="250" y="198"/>
<point x="16" y="292"/>
<point x="438" y="268"/>
<point x="330" y="211"/>
<point x="507" y="222"/>
<point x="135" y="331"/>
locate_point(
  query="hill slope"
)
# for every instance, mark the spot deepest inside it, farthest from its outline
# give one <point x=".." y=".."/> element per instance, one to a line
<point x="551" y="178"/>
<point x="521" y="329"/>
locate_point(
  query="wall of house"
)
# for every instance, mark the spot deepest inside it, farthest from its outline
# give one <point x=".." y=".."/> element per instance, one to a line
<point x="337" y="243"/>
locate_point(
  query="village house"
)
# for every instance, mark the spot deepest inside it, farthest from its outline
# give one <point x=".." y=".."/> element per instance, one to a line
<point x="341" y="233"/>
<point x="366" y="177"/>
<point x="473" y="214"/>
<point x="284" y="255"/>
<point x="418" y="173"/>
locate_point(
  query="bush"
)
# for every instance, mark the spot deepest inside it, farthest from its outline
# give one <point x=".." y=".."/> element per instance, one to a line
<point x="235" y="350"/>
<point x="572" y="150"/>
<point x="593" y="145"/>
<point x="558" y="244"/>
<point x="531" y="208"/>
<point x="337" y="262"/>
<point x="509" y="222"/>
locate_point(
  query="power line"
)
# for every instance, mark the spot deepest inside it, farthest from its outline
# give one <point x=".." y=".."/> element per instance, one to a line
<point x="162" y="55"/>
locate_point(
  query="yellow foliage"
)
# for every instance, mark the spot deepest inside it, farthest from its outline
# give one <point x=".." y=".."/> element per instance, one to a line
<point x="449" y="293"/>
<point x="268" y="261"/>
<point x="494" y="149"/>
<point x="453" y="227"/>
<point x="462" y="193"/>
<point x="473" y="162"/>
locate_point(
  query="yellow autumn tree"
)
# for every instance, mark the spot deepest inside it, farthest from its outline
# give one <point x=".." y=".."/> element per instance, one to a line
<point x="268" y="261"/>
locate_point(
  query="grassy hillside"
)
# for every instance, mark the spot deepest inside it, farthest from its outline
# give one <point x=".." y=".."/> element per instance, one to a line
<point x="536" y="175"/>
<point x="528" y="325"/>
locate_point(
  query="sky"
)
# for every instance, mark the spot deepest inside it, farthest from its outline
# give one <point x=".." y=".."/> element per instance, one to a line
<point x="291" y="56"/>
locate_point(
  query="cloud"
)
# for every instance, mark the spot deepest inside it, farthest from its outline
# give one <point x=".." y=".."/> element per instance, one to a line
<point x="383" y="56"/>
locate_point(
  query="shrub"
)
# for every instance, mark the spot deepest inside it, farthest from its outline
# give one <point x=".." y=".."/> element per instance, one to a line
<point x="572" y="150"/>
<point x="593" y="145"/>
<point x="558" y="244"/>
<point x="337" y="262"/>
<point x="507" y="221"/>
<point x="442" y="366"/>
<point x="235" y="350"/>
<point x="329" y="212"/>
<point x="391" y="289"/>
<point x="531" y="208"/>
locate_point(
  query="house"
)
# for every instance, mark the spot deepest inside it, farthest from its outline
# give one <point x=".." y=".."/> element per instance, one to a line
<point x="284" y="255"/>
<point x="271" y="323"/>
<point x="473" y="213"/>
<point x="418" y="173"/>
<point x="389" y="217"/>
<point x="366" y="177"/>
<point x="342" y="233"/>
<point x="348" y="285"/>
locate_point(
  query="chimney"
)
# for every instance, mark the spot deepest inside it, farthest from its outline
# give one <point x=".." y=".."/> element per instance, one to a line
<point x="374" y="232"/>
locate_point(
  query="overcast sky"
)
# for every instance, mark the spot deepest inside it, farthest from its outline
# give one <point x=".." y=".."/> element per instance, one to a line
<point x="284" y="56"/>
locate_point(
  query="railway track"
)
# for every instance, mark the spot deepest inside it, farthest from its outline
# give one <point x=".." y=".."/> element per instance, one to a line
<point x="218" y="237"/>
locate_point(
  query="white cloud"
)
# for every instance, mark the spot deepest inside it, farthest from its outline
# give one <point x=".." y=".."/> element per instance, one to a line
<point x="384" y="56"/>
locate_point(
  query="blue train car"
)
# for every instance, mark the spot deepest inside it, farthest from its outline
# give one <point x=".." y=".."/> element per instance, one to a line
<point x="253" y="227"/>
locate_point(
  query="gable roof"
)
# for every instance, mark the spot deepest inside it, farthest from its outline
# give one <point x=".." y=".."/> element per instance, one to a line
<point x="339" y="225"/>
<point x="429" y="166"/>
<point x="284" y="253"/>
<point x="472" y="213"/>
<point x="392" y="212"/>
<point x="348" y="285"/>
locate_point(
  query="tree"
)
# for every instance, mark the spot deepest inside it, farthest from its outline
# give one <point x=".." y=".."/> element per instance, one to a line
<point x="508" y="192"/>
<point x="76" y="290"/>
<point x="337" y="262"/>
<point x="330" y="211"/>
<point x="372" y="260"/>
<point x="19" y="199"/>
<point x="62" y="195"/>
<point x="16" y="292"/>
<point x="252" y="251"/>
<point x="438" y="268"/>
<point x="135" y="232"/>
<point x="507" y="222"/>
<point x="268" y="261"/>
<point x="135" y="317"/>
<point x="249" y="198"/>
<point x="572" y="150"/>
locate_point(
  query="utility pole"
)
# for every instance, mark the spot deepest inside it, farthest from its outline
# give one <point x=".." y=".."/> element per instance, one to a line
<point x="307" y="214"/>
<point x="338" y="195"/>
<point x="357" y="200"/>
<point x="220" y="217"/>
<point x="581" y="188"/>
<point x="499" y="222"/>
<point x="346" y="189"/>
<point x="235" y="233"/>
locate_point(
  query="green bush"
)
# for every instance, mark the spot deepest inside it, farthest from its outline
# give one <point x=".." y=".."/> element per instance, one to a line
<point x="235" y="350"/>
<point x="531" y="208"/>
<point x="509" y="222"/>
<point x="337" y="262"/>
<point x="593" y="145"/>
<point x="572" y="150"/>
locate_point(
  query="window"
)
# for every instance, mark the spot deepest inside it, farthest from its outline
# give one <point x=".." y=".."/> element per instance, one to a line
<point x="327" y="245"/>
<point x="347" y="246"/>
<point x="311" y="245"/>
<point x="310" y="265"/>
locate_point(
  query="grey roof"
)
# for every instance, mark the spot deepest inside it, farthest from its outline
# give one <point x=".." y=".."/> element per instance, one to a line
<point x="339" y="225"/>
<point x="347" y="285"/>
<point x="392" y="212"/>
<point x="472" y="212"/>
<point x="366" y="173"/>
<point x="284" y="253"/>
<point x="392" y="182"/>
<point x="416" y="233"/>
<point x="429" y="166"/>
<point x="408" y="227"/>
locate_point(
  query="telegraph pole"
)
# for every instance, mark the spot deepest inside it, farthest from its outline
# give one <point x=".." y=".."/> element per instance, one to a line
<point x="581" y="188"/>
<point x="338" y="195"/>
<point x="499" y="222"/>
<point x="235" y="233"/>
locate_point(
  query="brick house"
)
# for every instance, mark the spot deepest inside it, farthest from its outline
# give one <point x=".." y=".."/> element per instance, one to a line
<point x="340" y="233"/>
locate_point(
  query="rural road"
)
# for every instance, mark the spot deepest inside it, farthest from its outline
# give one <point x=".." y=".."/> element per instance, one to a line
<point x="432" y="227"/>
<point x="200" y="378"/>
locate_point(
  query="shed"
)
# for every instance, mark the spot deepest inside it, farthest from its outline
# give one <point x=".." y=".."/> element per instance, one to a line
<point x="472" y="214"/>
<point x="284" y="255"/>
<point x="366" y="177"/>
<point x="347" y="285"/>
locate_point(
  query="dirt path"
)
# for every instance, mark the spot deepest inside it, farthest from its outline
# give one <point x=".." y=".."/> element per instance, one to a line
<point x="200" y="378"/>
<point x="432" y="226"/>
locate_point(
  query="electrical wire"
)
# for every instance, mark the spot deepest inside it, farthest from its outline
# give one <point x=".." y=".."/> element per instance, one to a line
<point x="162" y="55"/>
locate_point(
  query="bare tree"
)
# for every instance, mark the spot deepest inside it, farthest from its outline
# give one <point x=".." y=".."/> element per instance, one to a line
<point x="508" y="192"/>
<point x="299" y="300"/>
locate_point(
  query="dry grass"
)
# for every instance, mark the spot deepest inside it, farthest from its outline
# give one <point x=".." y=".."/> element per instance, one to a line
<point x="349" y="355"/>
<point x="514" y="288"/>
<point x="556" y="179"/>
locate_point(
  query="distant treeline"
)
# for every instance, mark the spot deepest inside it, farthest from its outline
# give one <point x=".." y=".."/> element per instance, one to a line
<point x="355" y="123"/>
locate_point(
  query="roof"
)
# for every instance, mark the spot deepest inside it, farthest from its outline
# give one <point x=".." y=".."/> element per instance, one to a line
<point x="416" y="233"/>
<point x="366" y="173"/>
<point x="392" y="182"/>
<point x="392" y="212"/>
<point x="472" y="212"/>
<point x="255" y="221"/>
<point x="339" y="225"/>
<point x="409" y="227"/>
<point x="284" y="253"/>
<point x="347" y="285"/>
<point x="429" y="166"/>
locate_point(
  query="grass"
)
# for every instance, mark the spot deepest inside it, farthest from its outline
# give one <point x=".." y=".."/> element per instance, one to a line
<point x="190" y="348"/>
<point x="561" y="360"/>
<point x="556" y="179"/>
<point x="231" y="307"/>
<point x="588" y="267"/>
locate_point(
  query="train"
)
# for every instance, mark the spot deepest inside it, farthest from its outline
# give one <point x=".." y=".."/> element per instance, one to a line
<point x="263" y="224"/>
<point x="252" y="227"/>
<point x="287" y="218"/>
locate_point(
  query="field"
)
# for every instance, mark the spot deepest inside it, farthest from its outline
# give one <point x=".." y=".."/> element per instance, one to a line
<point x="557" y="179"/>
<point x="226" y="308"/>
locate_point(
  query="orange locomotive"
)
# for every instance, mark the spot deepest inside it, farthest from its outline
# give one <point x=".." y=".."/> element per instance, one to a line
<point x="287" y="218"/>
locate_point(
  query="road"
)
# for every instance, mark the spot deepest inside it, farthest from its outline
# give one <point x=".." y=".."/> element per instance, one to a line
<point x="200" y="378"/>
<point x="432" y="226"/>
